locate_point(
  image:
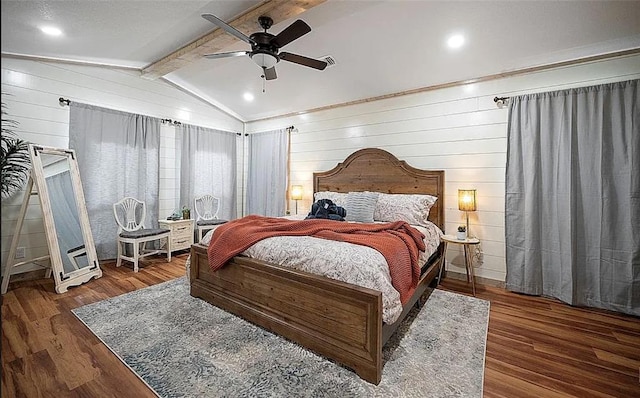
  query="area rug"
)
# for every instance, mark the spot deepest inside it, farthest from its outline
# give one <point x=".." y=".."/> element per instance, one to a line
<point x="181" y="346"/>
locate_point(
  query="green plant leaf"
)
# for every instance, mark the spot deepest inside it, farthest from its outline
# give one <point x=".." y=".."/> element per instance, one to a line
<point x="15" y="160"/>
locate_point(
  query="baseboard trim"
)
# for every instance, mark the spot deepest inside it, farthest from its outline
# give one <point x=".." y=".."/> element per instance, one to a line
<point x="479" y="280"/>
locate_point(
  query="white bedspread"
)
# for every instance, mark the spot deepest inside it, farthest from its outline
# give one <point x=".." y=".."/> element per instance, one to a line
<point x="347" y="262"/>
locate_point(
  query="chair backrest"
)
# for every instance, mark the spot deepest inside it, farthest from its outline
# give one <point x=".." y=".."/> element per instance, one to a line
<point x="207" y="207"/>
<point x="130" y="214"/>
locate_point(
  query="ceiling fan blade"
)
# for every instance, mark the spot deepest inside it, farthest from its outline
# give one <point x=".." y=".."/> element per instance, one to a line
<point x="290" y="33"/>
<point x="227" y="55"/>
<point x="299" y="59"/>
<point x="270" y="74"/>
<point x="228" y="28"/>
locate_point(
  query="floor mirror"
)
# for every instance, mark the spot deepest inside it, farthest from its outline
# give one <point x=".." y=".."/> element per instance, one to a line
<point x="56" y="180"/>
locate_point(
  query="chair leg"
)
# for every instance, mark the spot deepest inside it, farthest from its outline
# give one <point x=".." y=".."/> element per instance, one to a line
<point x="168" y="250"/>
<point x="136" y="256"/>
<point x="120" y="249"/>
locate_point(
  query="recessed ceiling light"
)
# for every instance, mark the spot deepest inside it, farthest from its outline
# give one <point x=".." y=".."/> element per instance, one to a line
<point x="51" y="30"/>
<point x="248" y="97"/>
<point x="455" y="41"/>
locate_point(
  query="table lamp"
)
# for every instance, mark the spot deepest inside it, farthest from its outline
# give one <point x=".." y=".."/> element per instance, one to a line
<point x="467" y="203"/>
<point x="296" y="194"/>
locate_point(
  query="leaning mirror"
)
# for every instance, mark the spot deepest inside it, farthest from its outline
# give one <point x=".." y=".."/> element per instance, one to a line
<point x="71" y="248"/>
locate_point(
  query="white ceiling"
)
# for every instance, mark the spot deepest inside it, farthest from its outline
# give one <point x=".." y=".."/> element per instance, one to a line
<point x="380" y="47"/>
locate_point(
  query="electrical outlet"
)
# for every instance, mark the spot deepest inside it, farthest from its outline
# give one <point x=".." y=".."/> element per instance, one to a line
<point x="20" y="252"/>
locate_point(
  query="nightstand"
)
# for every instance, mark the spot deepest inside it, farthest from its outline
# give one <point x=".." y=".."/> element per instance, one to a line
<point x="181" y="233"/>
<point x="467" y="244"/>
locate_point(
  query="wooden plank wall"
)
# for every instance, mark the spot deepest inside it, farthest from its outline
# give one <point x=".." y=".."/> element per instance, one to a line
<point x="458" y="129"/>
<point x="31" y="90"/>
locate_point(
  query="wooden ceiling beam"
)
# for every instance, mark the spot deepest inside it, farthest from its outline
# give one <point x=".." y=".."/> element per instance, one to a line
<point x="218" y="39"/>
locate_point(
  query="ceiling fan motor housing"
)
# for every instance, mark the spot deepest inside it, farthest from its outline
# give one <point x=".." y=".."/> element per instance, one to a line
<point x="264" y="45"/>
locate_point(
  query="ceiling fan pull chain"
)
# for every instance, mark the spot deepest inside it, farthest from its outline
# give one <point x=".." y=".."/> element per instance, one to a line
<point x="264" y="80"/>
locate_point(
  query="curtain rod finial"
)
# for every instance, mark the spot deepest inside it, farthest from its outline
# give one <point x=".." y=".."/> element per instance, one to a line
<point x="501" y="101"/>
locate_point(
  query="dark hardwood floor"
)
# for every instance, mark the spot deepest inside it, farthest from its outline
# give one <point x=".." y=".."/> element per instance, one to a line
<point x="536" y="347"/>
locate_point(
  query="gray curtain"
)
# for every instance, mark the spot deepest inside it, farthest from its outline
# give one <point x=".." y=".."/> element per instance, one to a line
<point x="118" y="155"/>
<point x="267" y="176"/>
<point x="573" y="196"/>
<point x="208" y="166"/>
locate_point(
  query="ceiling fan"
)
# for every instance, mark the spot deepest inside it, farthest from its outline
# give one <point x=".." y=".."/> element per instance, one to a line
<point x="265" y="47"/>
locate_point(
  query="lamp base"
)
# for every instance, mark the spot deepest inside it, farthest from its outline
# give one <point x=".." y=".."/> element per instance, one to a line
<point x="467" y="213"/>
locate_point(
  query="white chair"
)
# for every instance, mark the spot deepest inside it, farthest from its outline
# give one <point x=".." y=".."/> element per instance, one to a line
<point x="207" y="208"/>
<point x="130" y="214"/>
<point x="73" y="255"/>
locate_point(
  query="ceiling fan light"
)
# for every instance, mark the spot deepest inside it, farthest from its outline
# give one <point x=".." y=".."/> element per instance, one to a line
<point x="264" y="60"/>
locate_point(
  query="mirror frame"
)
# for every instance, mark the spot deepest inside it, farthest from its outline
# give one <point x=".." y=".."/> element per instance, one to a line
<point x="63" y="280"/>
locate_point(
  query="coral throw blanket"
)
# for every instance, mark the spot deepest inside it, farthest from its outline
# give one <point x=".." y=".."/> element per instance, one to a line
<point x="398" y="242"/>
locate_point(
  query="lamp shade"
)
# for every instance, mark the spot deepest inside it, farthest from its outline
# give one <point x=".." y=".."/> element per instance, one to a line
<point x="296" y="192"/>
<point x="467" y="199"/>
<point x="264" y="60"/>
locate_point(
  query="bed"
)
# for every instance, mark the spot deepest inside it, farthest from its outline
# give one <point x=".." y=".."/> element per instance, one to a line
<point x="339" y="320"/>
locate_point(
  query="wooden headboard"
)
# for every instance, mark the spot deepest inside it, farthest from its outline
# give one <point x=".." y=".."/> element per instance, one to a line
<point x="373" y="169"/>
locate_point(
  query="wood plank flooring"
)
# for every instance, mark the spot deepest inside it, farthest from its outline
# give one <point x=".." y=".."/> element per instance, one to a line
<point x="536" y="347"/>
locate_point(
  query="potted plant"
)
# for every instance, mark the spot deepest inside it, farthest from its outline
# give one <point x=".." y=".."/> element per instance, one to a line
<point x="15" y="158"/>
<point x="462" y="232"/>
<point x="186" y="213"/>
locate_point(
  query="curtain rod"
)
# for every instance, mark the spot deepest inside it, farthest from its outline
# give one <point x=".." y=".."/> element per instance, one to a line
<point x="290" y="128"/>
<point x="174" y="122"/>
<point x="63" y="101"/>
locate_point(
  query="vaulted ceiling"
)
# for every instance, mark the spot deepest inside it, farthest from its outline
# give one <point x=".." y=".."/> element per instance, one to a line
<point x="379" y="47"/>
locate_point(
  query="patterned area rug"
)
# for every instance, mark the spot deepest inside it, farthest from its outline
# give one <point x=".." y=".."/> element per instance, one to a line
<point x="184" y="347"/>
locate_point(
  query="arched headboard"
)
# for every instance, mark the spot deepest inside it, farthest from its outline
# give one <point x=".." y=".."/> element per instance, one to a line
<point x="374" y="169"/>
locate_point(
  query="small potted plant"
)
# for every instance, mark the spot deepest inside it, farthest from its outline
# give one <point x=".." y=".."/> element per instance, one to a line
<point x="186" y="213"/>
<point x="462" y="232"/>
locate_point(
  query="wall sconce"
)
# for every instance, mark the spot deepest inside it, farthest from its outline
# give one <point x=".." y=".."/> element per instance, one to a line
<point x="296" y="194"/>
<point x="467" y="202"/>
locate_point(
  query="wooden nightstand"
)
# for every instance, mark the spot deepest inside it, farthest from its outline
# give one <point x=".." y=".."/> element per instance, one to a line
<point x="468" y="255"/>
<point x="181" y="233"/>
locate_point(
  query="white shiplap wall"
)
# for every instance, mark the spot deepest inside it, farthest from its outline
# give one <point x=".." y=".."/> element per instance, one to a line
<point x="32" y="90"/>
<point x="458" y="129"/>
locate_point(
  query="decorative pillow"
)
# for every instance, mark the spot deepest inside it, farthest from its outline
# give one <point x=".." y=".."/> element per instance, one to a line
<point x="361" y="205"/>
<point x="414" y="209"/>
<point x="338" y="198"/>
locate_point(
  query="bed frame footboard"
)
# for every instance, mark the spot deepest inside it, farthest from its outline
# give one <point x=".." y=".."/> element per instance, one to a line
<point x="340" y="321"/>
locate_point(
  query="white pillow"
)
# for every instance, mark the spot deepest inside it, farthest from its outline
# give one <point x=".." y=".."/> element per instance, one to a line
<point x="338" y="198"/>
<point x="360" y="206"/>
<point x="412" y="208"/>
